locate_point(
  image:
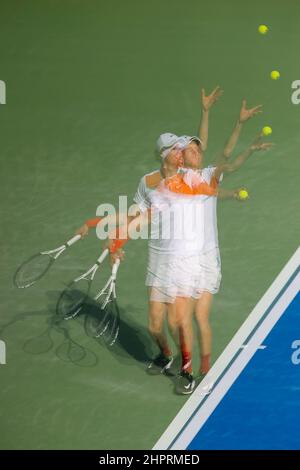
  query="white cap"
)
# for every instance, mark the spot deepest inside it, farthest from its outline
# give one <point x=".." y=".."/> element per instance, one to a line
<point x="187" y="139"/>
<point x="165" y="141"/>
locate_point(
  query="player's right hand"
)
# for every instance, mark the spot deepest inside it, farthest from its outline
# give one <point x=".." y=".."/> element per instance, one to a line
<point x="209" y="100"/>
<point x="119" y="254"/>
<point x="262" y="146"/>
<point x="82" y="231"/>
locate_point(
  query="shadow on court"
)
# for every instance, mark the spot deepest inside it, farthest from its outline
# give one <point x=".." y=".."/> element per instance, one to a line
<point x="55" y="334"/>
<point x="68" y="350"/>
<point x="133" y="339"/>
<point x="132" y="342"/>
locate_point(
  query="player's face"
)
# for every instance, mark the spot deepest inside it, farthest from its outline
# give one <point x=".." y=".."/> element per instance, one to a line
<point x="192" y="155"/>
<point x="175" y="157"/>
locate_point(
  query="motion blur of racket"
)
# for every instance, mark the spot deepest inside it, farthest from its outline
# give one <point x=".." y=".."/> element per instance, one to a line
<point x="73" y="298"/>
<point x="76" y="293"/>
<point x="39" y="264"/>
<point x="105" y="321"/>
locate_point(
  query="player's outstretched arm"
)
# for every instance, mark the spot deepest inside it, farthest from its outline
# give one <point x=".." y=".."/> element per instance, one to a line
<point x="114" y="220"/>
<point x="226" y="194"/>
<point x="244" y="116"/>
<point x="257" y="145"/>
<point x="83" y="231"/>
<point x="207" y="102"/>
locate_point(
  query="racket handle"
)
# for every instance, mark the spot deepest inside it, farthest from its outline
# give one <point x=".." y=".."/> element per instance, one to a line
<point x="73" y="240"/>
<point x="115" y="269"/>
<point x="103" y="256"/>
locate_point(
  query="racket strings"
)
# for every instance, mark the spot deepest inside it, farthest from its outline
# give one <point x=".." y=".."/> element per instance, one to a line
<point x="108" y="324"/>
<point x="32" y="270"/>
<point x="112" y="331"/>
<point x="73" y="298"/>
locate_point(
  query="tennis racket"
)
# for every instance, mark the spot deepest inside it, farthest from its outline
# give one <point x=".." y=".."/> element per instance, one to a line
<point x="37" y="265"/>
<point x="74" y="296"/>
<point x="106" y="324"/>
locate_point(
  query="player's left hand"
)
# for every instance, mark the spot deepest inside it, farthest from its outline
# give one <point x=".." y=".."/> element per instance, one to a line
<point x="209" y="100"/>
<point x="236" y="194"/>
<point x="262" y="146"/>
<point x="246" y="114"/>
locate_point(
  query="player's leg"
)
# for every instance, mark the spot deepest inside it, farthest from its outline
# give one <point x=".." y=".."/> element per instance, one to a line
<point x="202" y="312"/>
<point x="185" y="383"/>
<point x="211" y="273"/>
<point x="173" y="323"/>
<point x="163" y="361"/>
<point x="157" y="311"/>
<point x="185" y="332"/>
<point x="180" y="326"/>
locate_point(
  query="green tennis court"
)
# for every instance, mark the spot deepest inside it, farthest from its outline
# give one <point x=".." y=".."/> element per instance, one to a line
<point x="90" y="86"/>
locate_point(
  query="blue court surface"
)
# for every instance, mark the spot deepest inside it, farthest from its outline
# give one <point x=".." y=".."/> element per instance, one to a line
<point x="251" y="397"/>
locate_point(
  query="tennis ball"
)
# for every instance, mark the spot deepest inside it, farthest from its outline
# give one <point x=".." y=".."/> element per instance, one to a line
<point x="275" y="75"/>
<point x="243" y="194"/>
<point x="267" y="130"/>
<point x="263" y="29"/>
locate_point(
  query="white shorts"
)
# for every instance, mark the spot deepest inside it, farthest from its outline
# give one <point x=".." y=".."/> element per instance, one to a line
<point x="211" y="270"/>
<point x="171" y="276"/>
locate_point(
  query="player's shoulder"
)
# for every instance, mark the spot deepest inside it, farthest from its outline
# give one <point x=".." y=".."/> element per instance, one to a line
<point x="208" y="171"/>
<point x="152" y="180"/>
<point x="208" y="174"/>
<point x="209" y="168"/>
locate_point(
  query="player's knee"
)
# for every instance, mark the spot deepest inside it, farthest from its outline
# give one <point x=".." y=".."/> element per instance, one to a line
<point x="183" y="319"/>
<point x="155" y="328"/>
<point x="202" y="317"/>
<point x="174" y="323"/>
<point x="203" y="323"/>
<point x="184" y="324"/>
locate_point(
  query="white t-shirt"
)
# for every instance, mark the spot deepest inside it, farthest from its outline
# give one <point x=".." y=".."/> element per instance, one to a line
<point x="142" y="195"/>
<point x="210" y="214"/>
<point x="177" y="221"/>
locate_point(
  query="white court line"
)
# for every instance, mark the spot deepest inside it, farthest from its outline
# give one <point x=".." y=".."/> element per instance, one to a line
<point x="237" y="367"/>
<point x="228" y="354"/>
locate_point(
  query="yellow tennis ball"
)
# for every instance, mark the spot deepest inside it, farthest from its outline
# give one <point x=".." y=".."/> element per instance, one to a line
<point x="275" y="75"/>
<point x="243" y="194"/>
<point x="263" y="29"/>
<point x="267" y="130"/>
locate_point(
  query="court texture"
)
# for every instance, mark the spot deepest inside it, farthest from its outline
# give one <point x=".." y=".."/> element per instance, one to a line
<point x="89" y="87"/>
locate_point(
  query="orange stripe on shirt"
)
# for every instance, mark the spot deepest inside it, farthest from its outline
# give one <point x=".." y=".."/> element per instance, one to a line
<point x="179" y="186"/>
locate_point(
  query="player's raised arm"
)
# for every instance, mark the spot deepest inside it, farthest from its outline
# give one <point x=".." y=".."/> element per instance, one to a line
<point x="207" y="102"/>
<point x="257" y="145"/>
<point x="244" y="116"/>
<point x="115" y="220"/>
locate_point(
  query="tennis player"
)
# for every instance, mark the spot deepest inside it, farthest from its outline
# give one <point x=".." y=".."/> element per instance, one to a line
<point x="212" y="271"/>
<point x="209" y="255"/>
<point x="147" y="185"/>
